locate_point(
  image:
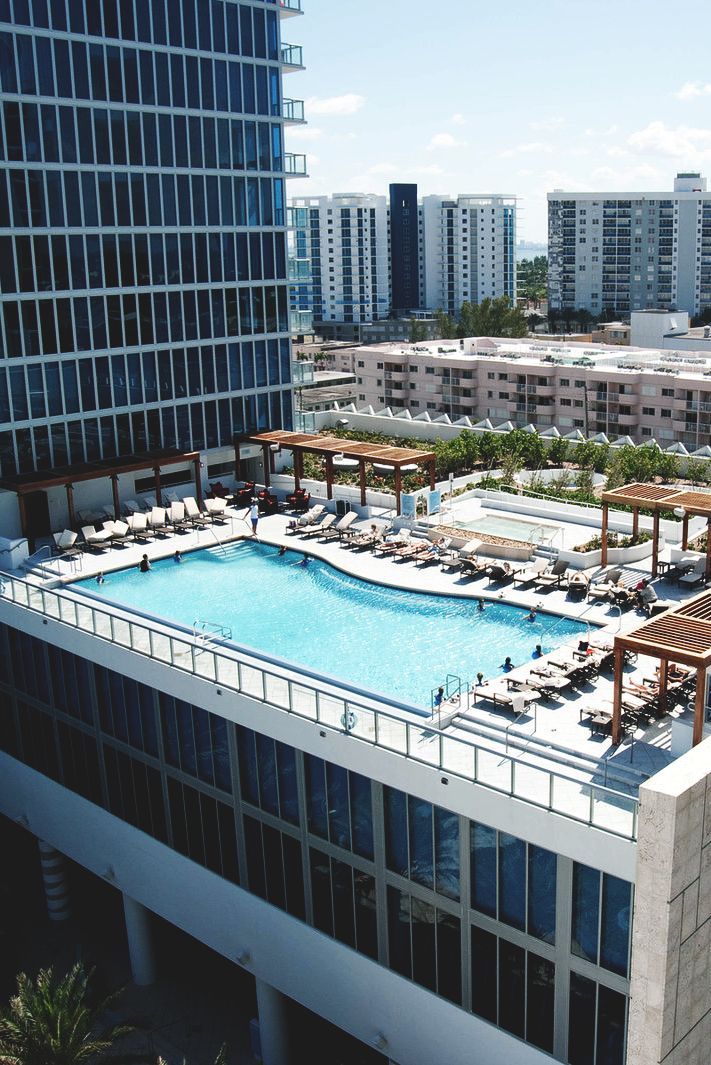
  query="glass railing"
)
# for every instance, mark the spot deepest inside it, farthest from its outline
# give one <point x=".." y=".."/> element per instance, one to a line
<point x="582" y="791"/>
<point x="292" y="110"/>
<point x="292" y="55"/>
<point x="290" y="7"/>
<point x="294" y="165"/>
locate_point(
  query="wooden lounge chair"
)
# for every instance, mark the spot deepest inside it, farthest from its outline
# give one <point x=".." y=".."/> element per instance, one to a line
<point x="156" y="520"/>
<point x="119" y="530"/>
<point x="512" y="700"/>
<point x="500" y="572"/>
<point x="318" y="529"/>
<point x="431" y="554"/>
<point x="216" y="510"/>
<point x="552" y="577"/>
<point x="363" y="540"/>
<point x="388" y="547"/>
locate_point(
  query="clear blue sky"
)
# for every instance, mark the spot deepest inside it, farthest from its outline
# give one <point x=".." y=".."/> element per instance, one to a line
<point x="506" y="97"/>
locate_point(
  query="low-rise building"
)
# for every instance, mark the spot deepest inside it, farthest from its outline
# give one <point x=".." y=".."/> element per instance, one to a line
<point x="637" y="392"/>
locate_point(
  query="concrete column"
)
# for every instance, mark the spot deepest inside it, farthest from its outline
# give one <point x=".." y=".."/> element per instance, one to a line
<point x="273" y="1024"/>
<point x="54" y="878"/>
<point x="140" y="942"/>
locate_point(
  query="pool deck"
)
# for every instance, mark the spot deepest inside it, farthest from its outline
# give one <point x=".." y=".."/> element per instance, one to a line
<point x="535" y="734"/>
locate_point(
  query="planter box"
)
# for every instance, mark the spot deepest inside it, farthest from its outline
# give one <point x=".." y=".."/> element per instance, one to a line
<point x="615" y="555"/>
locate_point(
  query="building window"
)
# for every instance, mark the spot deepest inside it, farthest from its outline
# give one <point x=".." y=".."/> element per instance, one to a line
<point x="600" y="930"/>
<point x="596" y="1023"/>
<point x="425" y="944"/>
<point x="422" y="842"/>
<point x="513" y="881"/>
<point x="648" y="411"/>
<point x="339" y="806"/>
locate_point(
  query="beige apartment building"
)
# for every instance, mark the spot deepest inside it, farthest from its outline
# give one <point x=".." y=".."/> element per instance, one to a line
<point x="594" y="388"/>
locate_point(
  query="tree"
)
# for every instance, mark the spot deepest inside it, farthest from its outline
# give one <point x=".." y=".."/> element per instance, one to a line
<point x="50" y="1021"/>
<point x="446" y="326"/>
<point x="221" y="1058"/>
<point x="417" y="331"/>
<point x="491" y="318"/>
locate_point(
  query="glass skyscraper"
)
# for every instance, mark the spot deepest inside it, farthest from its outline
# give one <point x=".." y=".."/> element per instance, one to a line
<point x="143" y="276"/>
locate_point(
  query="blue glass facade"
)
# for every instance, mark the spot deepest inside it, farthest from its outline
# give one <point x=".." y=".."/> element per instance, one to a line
<point x="143" y="274"/>
<point x="527" y="939"/>
<point x="404" y="248"/>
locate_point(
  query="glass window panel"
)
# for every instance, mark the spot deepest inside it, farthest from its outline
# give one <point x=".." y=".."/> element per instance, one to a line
<point x="293" y="876"/>
<point x="610" y="1027"/>
<point x="396" y="831"/>
<point x="343" y="910"/>
<point x="512" y="988"/>
<point x="321" y="891"/>
<point x="266" y="764"/>
<point x="540" y="1000"/>
<point x="581" y="1021"/>
<point x="288" y="790"/>
<point x="274" y="866"/>
<point x="512" y="880"/>
<point x="449" y="957"/>
<point x="255" y="857"/>
<point x="615" y="924"/>
<point x="586" y="912"/>
<point x="421" y="842"/>
<point x="483" y="869"/>
<point x="361" y="803"/>
<point x="399" y="931"/>
<point x="338" y="808"/>
<point x="423" y="944"/>
<point x="542" y="867"/>
<point x="366" y="914"/>
<point x="446" y="826"/>
<point x="316" y="795"/>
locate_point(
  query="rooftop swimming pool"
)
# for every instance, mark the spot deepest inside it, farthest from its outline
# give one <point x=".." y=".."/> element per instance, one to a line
<point x="400" y="644"/>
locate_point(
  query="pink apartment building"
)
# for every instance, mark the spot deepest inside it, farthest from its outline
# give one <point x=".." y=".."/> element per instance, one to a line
<point x="637" y="392"/>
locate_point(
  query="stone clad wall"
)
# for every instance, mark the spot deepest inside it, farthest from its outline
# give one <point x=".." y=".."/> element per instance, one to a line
<point x="670" y="1010"/>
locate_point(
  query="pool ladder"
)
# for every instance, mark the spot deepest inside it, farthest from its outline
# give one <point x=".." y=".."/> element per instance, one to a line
<point x="206" y="631"/>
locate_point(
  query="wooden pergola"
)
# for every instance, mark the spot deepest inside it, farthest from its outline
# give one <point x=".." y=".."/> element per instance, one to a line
<point x="68" y="476"/>
<point x="330" y="446"/>
<point x="681" y="635"/>
<point x="657" y="498"/>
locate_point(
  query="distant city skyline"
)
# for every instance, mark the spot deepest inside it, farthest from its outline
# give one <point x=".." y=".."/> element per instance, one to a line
<point x="495" y="100"/>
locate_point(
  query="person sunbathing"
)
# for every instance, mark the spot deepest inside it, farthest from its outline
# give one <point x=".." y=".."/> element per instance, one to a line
<point x="642" y="689"/>
<point x="674" y="672"/>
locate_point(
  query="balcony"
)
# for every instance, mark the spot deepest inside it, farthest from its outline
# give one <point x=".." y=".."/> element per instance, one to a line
<point x="292" y="111"/>
<point x="288" y="8"/>
<point x="295" y="165"/>
<point x="292" y="57"/>
<point x="301" y="322"/>
<point x="299" y="270"/>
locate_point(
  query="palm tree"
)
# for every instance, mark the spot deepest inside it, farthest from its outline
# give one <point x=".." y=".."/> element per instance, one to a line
<point x="50" y="1022"/>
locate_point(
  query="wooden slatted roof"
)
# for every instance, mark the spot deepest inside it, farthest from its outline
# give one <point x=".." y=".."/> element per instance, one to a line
<point x="660" y="497"/>
<point x="352" y="449"/>
<point x="682" y="634"/>
<point x="89" y="471"/>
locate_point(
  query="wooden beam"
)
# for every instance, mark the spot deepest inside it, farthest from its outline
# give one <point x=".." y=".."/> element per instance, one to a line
<point x="685" y="533"/>
<point x="655" y="543"/>
<point x="708" y="549"/>
<point x="361" y="478"/>
<point x="297" y="469"/>
<point x="156" y="473"/>
<point x="603" y="534"/>
<point x="699" y="706"/>
<point x="663" y="684"/>
<point x="198" y="481"/>
<point x="115" y="493"/>
<point x="329" y="476"/>
<point x="70" y="505"/>
<point x="266" y="462"/>
<point x="398" y="488"/>
<point x="619" y="656"/>
<point x="433" y="482"/>
<point x="23" y="516"/>
<point x="635" y="523"/>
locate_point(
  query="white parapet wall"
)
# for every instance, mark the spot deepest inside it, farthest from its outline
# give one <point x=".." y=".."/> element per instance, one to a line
<point x="670" y="1011"/>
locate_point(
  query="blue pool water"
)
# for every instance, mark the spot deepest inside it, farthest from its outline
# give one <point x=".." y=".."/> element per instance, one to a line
<point x="400" y="644"/>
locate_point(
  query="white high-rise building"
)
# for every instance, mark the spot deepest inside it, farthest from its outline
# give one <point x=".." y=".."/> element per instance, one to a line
<point x="468" y="250"/>
<point x="627" y="251"/>
<point x="346" y="239"/>
<point x="350" y="271"/>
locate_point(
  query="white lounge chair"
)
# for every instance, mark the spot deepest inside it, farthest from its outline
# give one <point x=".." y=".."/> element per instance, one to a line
<point x="193" y="512"/>
<point x="156" y="520"/>
<point x="65" y="541"/>
<point x="216" y="509"/>
<point x="602" y="586"/>
<point x="531" y="572"/>
<point x="138" y="525"/>
<point x="119" y="530"/>
<point x="312" y="515"/>
<point x="553" y="576"/>
<point x="131" y="507"/>
<point x="92" y="538"/>
<point x="454" y="559"/>
<point x="319" y="527"/>
<point x="176" y="515"/>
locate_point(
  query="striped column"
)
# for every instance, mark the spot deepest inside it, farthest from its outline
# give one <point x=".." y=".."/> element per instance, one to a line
<point x="56" y="886"/>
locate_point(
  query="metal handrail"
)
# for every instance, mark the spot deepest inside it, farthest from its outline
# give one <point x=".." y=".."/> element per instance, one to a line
<point x="330" y="703"/>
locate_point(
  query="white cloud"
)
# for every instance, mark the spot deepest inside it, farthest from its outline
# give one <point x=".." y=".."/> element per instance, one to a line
<point x="458" y="120"/>
<point x="680" y="142"/>
<point x="691" y="89"/>
<point x="347" y="104"/>
<point x="545" y="125"/>
<point x="304" y="133"/>
<point x="444" y="140"/>
<point x="530" y="148"/>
